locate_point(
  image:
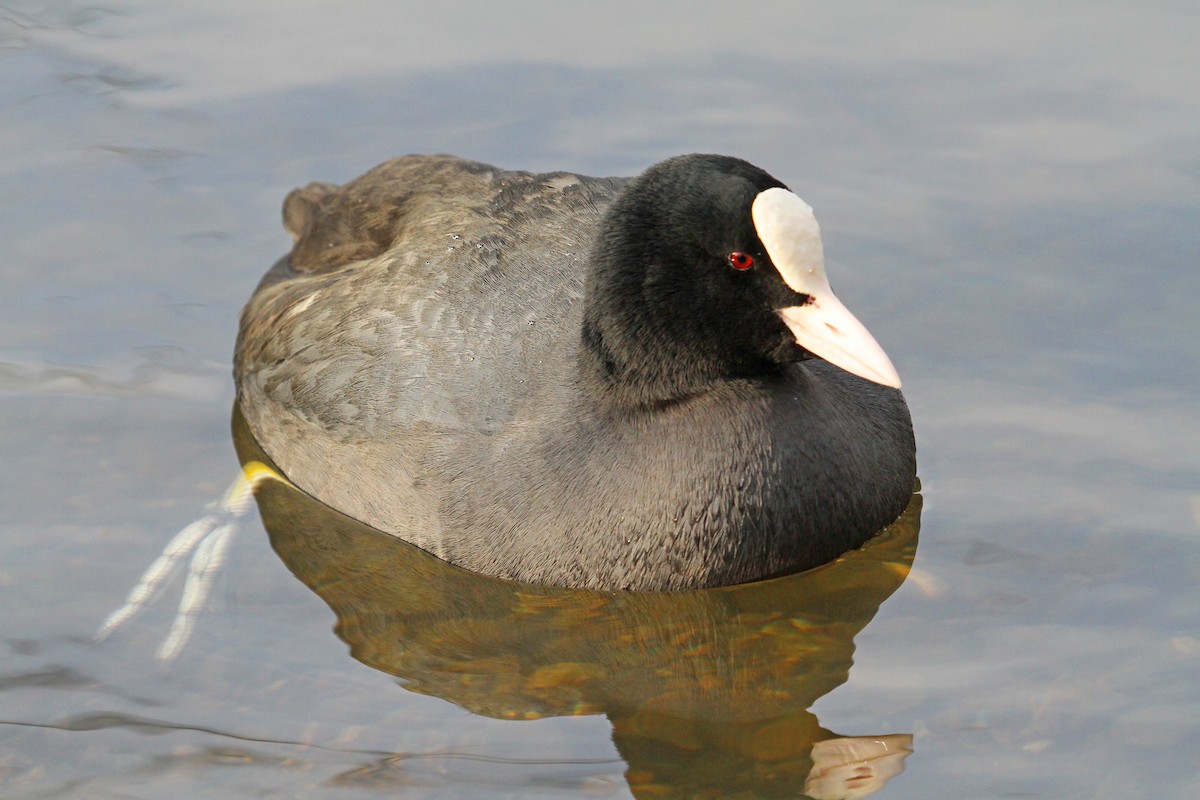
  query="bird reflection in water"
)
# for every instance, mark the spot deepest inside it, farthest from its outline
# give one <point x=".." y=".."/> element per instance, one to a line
<point x="707" y="691"/>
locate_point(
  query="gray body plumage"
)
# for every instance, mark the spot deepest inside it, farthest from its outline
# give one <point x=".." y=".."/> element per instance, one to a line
<point x="416" y="363"/>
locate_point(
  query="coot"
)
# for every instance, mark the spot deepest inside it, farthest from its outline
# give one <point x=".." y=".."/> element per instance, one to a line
<point x="607" y="383"/>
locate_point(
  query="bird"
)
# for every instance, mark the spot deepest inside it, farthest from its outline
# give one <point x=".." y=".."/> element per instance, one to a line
<point x="613" y="384"/>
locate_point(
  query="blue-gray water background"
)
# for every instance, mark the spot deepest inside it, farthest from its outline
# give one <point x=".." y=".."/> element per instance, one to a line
<point x="1010" y="199"/>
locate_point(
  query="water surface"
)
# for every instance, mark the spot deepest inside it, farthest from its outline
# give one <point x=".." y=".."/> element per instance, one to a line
<point x="1009" y="201"/>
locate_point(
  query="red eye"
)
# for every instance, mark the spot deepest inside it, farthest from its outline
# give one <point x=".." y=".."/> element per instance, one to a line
<point x="741" y="261"/>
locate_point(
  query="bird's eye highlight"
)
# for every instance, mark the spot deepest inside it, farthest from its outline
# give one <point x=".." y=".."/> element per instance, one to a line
<point x="741" y="261"/>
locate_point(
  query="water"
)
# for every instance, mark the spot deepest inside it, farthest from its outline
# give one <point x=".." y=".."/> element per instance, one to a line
<point x="1009" y="200"/>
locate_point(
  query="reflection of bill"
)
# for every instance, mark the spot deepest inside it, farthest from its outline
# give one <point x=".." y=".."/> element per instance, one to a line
<point x="848" y="769"/>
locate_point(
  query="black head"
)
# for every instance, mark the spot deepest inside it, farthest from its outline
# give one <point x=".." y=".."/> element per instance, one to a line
<point x="682" y="291"/>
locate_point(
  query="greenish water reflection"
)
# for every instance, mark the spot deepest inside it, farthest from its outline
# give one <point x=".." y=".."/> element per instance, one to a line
<point x="707" y="691"/>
